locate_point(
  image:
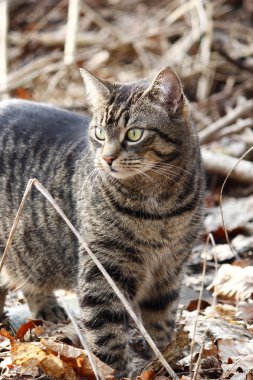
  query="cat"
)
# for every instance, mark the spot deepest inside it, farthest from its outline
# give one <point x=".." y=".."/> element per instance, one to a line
<point x="130" y="179"/>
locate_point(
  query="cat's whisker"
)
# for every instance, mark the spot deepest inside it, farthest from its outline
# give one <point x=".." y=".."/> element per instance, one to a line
<point x="165" y="165"/>
<point x="145" y="175"/>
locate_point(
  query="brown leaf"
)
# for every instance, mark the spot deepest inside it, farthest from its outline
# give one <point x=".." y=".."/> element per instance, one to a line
<point x="77" y="359"/>
<point x="7" y="335"/>
<point x="233" y="282"/>
<point x="27" y="326"/>
<point x="29" y="355"/>
<point x="194" y="304"/>
<point x="147" y="375"/>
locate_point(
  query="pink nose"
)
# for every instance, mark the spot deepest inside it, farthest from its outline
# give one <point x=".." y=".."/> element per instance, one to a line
<point x="109" y="159"/>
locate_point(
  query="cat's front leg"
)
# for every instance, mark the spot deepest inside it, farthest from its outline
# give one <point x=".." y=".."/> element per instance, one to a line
<point x="103" y="319"/>
<point x="158" y="311"/>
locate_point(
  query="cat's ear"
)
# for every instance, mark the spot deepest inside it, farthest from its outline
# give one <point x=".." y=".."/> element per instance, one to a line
<point x="167" y="90"/>
<point x="97" y="90"/>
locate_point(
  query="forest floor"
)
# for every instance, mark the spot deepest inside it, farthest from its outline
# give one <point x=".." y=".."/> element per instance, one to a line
<point x="210" y="45"/>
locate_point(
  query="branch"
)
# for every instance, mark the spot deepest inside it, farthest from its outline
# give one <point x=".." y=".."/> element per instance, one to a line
<point x="221" y="164"/>
<point x="207" y="134"/>
<point x="70" y="44"/>
<point x="3" y="44"/>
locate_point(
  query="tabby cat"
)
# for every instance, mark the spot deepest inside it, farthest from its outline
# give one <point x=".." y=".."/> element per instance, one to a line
<point x="130" y="179"/>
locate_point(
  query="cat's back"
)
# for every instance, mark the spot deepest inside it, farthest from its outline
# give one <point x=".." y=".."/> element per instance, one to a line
<point x="27" y="119"/>
<point x="41" y="141"/>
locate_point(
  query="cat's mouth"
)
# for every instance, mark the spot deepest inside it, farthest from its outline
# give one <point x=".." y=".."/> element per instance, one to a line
<point x="114" y="170"/>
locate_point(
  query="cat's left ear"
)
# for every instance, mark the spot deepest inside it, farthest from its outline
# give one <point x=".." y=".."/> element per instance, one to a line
<point x="97" y="90"/>
<point x="167" y="90"/>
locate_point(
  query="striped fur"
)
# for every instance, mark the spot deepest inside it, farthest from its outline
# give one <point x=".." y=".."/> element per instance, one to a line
<point x="140" y="216"/>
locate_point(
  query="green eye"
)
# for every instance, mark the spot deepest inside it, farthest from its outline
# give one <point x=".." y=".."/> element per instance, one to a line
<point x="100" y="133"/>
<point x="134" y="134"/>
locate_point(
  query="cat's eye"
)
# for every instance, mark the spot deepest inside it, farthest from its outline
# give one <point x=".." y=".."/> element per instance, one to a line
<point x="134" y="134"/>
<point x="100" y="133"/>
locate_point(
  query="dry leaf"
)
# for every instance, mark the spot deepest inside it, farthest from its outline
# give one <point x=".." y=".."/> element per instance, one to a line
<point x="77" y="359"/>
<point x="27" y="326"/>
<point x="227" y="312"/>
<point x="233" y="283"/>
<point x="217" y="327"/>
<point x="29" y="355"/>
<point x="236" y="354"/>
<point x="234" y="220"/>
<point x="245" y="310"/>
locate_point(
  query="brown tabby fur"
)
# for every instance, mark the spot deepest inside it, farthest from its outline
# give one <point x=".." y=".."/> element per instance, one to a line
<point x="137" y="204"/>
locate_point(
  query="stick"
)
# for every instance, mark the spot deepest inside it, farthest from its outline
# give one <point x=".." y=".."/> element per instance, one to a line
<point x="199" y="302"/>
<point x="15" y="223"/>
<point x="206" y="134"/>
<point x="237" y="127"/>
<point x="3" y="45"/>
<point x="117" y="291"/>
<point x="82" y="340"/>
<point x="70" y="44"/>
<point x="221" y="164"/>
<point x="221" y="198"/>
<point x="203" y="87"/>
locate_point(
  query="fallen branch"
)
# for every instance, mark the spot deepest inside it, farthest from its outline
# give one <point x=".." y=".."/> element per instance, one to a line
<point x="206" y="135"/>
<point x="3" y="44"/>
<point x="221" y="164"/>
<point x="70" y="43"/>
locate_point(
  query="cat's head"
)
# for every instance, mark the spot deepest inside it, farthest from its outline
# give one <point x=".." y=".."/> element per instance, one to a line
<point x="138" y="127"/>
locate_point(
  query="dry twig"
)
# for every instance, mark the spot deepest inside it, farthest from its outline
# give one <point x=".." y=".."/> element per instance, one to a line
<point x="208" y="133"/>
<point x="71" y="31"/>
<point x="221" y="164"/>
<point x="3" y="45"/>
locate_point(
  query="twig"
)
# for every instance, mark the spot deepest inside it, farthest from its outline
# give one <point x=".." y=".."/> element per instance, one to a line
<point x="82" y="340"/>
<point x="72" y="24"/>
<point x="199" y="360"/>
<point x="199" y="302"/>
<point x="206" y="134"/>
<point x="200" y="117"/>
<point x="3" y="46"/>
<point x="101" y="22"/>
<point x="54" y="39"/>
<point x="117" y="291"/>
<point x="205" y="54"/>
<point x="32" y="75"/>
<point x="237" y="127"/>
<point x="221" y="199"/>
<point x="15" y="223"/>
<point x="221" y="164"/>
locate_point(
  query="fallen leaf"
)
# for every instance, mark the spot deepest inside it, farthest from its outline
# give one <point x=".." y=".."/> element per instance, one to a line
<point x="234" y="220"/>
<point x="236" y="355"/>
<point x="29" y="355"/>
<point x="227" y="312"/>
<point x="147" y="375"/>
<point x="194" y="304"/>
<point x="77" y="359"/>
<point x="233" y="282"/>
<point x="27" y="326"/>
<point x="245" y="310"/>
<point x="7" y="335"/>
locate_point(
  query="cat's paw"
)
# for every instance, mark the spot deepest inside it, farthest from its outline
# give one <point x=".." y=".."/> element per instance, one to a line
<point x="136" y="366"/>
<point x="52" y="313"/>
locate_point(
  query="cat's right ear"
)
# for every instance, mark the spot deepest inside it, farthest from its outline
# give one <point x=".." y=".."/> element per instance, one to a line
<point x="97" y="90"/>
<point x="166" y="89"/>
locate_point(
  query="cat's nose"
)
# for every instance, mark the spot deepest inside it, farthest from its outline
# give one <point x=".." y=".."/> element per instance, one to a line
<point x="109" y="158"/>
